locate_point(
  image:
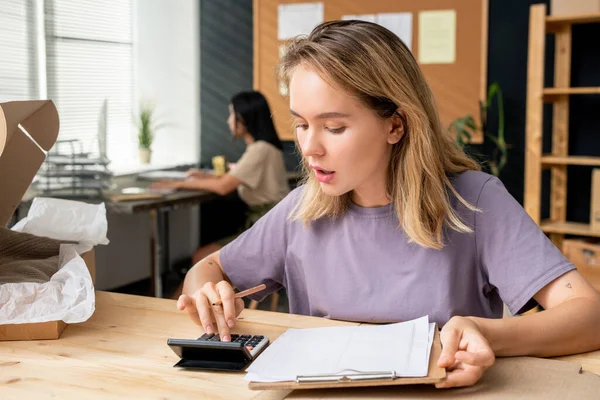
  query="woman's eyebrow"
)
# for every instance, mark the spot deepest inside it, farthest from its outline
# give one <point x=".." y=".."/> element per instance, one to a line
<point x="324" y="115"/>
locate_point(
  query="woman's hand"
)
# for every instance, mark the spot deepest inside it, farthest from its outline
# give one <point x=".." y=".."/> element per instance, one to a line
<point x="201" y="310"/>
<point x="466" y="353"/>
<point x="166" y="185"/>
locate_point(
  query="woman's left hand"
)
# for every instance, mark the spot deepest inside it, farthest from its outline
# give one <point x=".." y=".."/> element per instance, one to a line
<point x="466" y="353"/>
<point x="166" y="185"/>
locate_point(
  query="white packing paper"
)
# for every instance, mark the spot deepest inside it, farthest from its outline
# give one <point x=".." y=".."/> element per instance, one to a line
<point x="69" y="294"/>
<point x="298" y="19"/>
<point x="66" y="220"/>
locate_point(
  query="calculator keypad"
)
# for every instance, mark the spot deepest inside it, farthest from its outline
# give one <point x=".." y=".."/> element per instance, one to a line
<point x="254" y="344"/>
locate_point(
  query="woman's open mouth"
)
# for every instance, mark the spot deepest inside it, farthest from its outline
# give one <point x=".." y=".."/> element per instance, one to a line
<point x="323" y="175"/>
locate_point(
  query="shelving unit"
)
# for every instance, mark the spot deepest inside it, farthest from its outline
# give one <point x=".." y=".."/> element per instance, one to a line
<point x="539" y="25"/>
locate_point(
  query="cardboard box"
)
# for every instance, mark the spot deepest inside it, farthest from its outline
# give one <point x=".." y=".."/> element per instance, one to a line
<point x="585" y="254"/>
<point x="26" y="127"/>
<point x="574" y="7"/>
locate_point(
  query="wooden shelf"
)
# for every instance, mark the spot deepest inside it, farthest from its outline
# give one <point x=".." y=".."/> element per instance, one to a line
<point x="548" y="160"/>
<point x="568" y="228"/>
<point x="551" y="94"/>
<point x="554" y="23"/>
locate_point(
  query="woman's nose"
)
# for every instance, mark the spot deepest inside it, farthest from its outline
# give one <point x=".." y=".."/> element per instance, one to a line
<point x="310" y="144"/>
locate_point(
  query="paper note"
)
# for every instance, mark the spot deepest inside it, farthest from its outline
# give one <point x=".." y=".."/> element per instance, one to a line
<point x="362" y="17"/>
<point x="283" y="90"/>
<point x="298" y="19"/>
<point x="402" y="348"/>
<point x="437" y="37"/>
<point x="400" y="24"/>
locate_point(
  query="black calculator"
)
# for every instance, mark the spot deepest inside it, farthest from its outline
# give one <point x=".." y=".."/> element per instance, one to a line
<point x="208" y="352"/>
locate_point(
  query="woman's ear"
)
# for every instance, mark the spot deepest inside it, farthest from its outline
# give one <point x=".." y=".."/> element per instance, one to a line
<point x="398" y="127"/>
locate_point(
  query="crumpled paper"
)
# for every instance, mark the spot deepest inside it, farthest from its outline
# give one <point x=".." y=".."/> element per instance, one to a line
<point x="69" y="295"/>
<point x="66" y="220"/>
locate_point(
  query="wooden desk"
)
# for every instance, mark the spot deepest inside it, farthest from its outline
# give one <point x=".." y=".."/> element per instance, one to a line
<point x="121" y="352"/>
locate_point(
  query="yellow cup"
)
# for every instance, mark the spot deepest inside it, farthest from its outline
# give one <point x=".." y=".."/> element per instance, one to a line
<point x="218" y="163"/>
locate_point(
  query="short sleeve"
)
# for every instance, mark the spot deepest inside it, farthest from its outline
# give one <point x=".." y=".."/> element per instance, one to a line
<point x="249" y="168"/>
<point x="258" y="255"/>
<point x="516" y="255"/>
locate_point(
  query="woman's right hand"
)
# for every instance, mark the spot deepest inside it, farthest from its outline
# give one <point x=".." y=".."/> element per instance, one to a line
<point x="201" y="310"/>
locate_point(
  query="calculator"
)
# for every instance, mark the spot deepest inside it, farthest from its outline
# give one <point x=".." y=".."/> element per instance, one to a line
<point x="210" y="353"/>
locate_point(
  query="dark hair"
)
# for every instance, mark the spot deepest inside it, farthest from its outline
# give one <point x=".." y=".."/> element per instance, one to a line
<point x="253" y="110"/>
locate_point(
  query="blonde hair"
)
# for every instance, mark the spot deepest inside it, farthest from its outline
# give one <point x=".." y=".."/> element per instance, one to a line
<point x="371" y="63"/>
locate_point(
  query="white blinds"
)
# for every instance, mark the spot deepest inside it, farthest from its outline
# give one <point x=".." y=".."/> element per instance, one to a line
<point x="18" y="71"/>
<point x="89" y="60"/>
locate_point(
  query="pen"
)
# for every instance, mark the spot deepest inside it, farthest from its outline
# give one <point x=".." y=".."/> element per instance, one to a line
<point x="244" y="293"/>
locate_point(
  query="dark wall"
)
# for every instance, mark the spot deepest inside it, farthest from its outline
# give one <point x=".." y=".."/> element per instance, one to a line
<point x="507" y="65"/>
<point x="225" y="69"/>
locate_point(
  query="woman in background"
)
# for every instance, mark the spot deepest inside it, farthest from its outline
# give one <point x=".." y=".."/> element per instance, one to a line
<point x="259" y="176"/>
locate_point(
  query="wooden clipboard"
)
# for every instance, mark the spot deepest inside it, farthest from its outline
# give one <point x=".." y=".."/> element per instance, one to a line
<point x="435" y="374"/>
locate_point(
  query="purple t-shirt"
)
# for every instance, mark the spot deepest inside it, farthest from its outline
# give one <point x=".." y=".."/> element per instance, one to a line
<point x="361" y="267"/>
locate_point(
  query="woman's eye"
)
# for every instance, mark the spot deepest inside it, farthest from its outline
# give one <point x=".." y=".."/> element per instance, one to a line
<point x="337" y="130"/>
<point x="302" y="126"/>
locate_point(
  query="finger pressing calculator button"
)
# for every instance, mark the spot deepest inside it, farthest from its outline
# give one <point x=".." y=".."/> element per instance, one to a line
<point x="249" y="348"/>
<point x="206" y="336"/>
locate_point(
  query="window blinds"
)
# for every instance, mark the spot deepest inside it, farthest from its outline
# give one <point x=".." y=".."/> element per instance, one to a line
<point x="89" y="62"/>
<point x="18" y="64"/>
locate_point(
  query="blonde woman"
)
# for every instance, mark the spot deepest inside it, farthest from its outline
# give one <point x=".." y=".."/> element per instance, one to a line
<point x="395" y="222"/>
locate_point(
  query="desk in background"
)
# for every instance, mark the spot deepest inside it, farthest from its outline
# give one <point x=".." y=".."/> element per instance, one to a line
<point x="158" y="209"/>
<point x="121" y="353"/>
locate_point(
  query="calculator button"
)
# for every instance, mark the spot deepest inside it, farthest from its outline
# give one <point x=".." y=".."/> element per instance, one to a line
<point x="206" y="336"/>
<point x="249" y="348"/>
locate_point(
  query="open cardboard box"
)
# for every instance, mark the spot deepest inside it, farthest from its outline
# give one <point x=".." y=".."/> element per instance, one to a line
<point x="27" y="127"/>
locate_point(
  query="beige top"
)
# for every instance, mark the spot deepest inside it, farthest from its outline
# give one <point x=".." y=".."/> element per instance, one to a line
<point x="262" y="172"/>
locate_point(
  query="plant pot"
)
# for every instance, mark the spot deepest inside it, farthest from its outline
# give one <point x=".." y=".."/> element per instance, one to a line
<point x="145" y="156"/>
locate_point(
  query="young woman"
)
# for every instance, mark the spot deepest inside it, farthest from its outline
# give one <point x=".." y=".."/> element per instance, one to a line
<point x="395" y="221"/>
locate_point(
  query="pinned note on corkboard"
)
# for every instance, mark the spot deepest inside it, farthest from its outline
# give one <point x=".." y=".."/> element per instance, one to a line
<point x="447" y="37"/>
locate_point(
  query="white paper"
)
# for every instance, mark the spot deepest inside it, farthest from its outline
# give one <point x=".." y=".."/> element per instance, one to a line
<point x="361" y="17"/>
<point x="298" y="19"/>
<point x="399" y="23"/>
<point x="158" y="175"/>
<point x="283" y="89"/>
<point x="437" y="37"/>
<point x="68" y="296"/>
<point x="403" y="348"/>
<point x="66" y="220"/>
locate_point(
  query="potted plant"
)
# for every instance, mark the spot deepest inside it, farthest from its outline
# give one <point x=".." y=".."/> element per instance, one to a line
<point x="146" y="131"/>
<point x="464" y="128"/>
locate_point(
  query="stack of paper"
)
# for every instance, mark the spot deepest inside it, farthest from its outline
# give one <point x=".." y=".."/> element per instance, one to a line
<point x="401" y="348"/>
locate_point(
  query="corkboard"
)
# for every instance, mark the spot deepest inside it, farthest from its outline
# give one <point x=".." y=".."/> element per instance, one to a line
<point x="458" y="87"/>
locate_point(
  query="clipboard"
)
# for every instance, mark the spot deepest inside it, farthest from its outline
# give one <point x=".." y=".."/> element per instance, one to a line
<point x="435" y="374"/>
